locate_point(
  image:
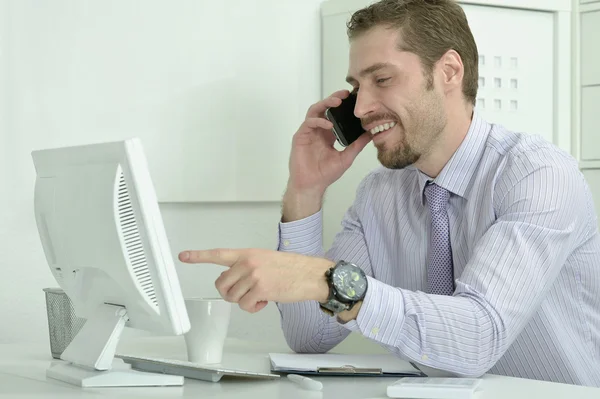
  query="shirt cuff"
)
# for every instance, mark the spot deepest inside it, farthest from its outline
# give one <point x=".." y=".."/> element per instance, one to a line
<point x="302" y="236"/>
<point x="351" y="325"/>
<point x="381" y="316"/>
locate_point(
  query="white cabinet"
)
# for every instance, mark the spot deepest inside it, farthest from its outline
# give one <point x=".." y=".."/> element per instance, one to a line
<point x="592" y="176"/>
<point x="516" y="72"/>
<point x="590" y="123"/>
<point x="525" y="77"/>
<point x="587" y="87"/>
<point x="587" y="94"/>
<point x="590" y="48"/>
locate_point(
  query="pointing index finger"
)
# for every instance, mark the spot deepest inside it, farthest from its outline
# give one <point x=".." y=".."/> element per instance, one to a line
<point x="218" y="256"/>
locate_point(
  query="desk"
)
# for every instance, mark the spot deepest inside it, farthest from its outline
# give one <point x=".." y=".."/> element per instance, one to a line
<point x="23" y="375"/>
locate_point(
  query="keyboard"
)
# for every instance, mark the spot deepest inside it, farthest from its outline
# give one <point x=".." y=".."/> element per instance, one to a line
<point x="188" y="369"/>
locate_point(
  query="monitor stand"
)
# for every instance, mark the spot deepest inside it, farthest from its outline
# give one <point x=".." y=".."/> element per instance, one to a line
<point x="88" y="360"/>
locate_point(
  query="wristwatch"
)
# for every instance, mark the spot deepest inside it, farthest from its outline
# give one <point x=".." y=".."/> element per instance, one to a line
<point x="347" y="286"/>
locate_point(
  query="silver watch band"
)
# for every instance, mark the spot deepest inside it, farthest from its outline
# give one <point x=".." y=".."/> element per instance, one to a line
<point x="333" y="306"/>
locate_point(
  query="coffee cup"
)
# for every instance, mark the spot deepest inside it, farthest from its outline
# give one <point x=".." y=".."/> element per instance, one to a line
<point x="209" y="320"/>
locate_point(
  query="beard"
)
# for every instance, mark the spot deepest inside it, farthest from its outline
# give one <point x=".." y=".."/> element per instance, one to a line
<point x="428" y="120"/>
<point x="399" y="157"/>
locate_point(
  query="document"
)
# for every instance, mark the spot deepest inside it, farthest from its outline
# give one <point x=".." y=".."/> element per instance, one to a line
<point x="342" y="364"/>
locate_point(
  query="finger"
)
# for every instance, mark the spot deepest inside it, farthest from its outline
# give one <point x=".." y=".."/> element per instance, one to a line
<point x="238" y="290"/>
<point x="218" y="256"/>
<point x="318" y="109"/>
<point x="260" y="306"/>
<point x="315" y="123"/>
<point x="228" y="279"/>
<point x="340" y="94"/>
<point x="350" y="153"/>
<point x="251" y="302"/>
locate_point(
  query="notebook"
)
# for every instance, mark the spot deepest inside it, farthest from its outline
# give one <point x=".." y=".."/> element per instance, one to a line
<point x="342" y="364"/>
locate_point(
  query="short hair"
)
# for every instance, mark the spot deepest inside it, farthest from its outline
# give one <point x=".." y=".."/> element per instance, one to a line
<point x="429" y="28"/>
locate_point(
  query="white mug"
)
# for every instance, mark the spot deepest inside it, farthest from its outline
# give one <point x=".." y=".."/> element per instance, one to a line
<point x="209" y="320"/>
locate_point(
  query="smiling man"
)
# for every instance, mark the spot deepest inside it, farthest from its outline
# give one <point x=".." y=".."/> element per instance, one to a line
<point x="473" y="248"/>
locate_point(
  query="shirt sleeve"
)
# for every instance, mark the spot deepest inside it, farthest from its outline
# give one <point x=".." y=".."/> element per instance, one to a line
<point x="542" y="215"/>
<point x="305" y="326"/>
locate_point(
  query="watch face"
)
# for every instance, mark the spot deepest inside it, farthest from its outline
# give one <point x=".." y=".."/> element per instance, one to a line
<point x="349" y="281"/>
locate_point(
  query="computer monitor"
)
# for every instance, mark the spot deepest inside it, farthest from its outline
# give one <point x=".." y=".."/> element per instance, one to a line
<point x="102" y="233"/>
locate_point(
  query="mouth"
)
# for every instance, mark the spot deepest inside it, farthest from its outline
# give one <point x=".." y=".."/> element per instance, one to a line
<point x="382" y="128"/>
<point x="382" y="131"/>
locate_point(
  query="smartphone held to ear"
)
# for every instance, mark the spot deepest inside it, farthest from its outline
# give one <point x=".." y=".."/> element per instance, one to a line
<point x="346" y="127"/>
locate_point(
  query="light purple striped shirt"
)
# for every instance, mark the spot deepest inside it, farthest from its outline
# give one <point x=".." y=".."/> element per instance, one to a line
<point x="526" y="253"/>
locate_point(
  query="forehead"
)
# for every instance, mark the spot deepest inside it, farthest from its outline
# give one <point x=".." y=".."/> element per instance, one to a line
<point x="378" y="45"/>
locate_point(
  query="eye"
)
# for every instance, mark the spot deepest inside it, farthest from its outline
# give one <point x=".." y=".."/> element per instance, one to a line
<point x="382" y="80"/>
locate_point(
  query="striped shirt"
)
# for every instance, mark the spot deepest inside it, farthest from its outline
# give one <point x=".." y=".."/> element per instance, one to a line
<point x="526" y="253"/>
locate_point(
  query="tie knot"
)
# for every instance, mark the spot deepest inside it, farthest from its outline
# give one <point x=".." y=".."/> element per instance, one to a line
<point x="437" y="197"/>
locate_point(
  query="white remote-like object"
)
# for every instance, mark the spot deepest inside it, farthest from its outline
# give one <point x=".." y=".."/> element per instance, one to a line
<point x="433" y="388"/>
<point x="305" y="382"/>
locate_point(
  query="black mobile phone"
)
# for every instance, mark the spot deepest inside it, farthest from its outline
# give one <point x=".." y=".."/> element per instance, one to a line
<point x="346" y="126"/>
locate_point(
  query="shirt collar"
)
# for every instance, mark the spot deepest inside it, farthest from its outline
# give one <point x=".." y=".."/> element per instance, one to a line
<point x="456" y="176"/>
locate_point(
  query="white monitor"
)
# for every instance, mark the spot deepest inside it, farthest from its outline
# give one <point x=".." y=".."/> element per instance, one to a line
<point x="102" y="233"/>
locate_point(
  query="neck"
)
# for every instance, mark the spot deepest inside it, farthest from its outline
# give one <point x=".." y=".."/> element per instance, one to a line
<point x="448" y="142"/>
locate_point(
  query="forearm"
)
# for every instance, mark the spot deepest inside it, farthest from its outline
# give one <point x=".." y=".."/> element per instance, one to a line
<point x="299" y="205"/>
<point x="305" y="327"/>
<point x="460" y="334"/>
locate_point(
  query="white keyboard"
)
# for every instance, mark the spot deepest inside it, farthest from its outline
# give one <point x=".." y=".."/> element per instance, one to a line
<point x="188" y="369"/>
<point x="433" y="388"/>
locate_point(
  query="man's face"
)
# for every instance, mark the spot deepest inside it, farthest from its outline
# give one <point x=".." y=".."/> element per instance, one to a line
<point x="396" y="101"/>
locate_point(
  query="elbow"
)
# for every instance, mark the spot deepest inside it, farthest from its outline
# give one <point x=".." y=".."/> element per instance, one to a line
<point x="299" y="346"/>
<point x="475" y="372"/>
<point x="307" y="349"/>
<point x="493" y="339"/>
<point x="491" y="351"/>
<point x="475" y="367"/>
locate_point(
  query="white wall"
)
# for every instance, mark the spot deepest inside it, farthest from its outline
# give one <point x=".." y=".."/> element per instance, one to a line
<point x="179" y="75"/>
<point x="188" y="225"/>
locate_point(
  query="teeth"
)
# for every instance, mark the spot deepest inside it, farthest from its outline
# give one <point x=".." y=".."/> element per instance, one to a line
<point x="381" y="128"/>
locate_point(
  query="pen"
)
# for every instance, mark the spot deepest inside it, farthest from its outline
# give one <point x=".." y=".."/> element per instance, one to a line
<point x="305" y="382"/>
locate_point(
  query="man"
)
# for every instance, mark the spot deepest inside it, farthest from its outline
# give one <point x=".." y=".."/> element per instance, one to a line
<point x="472" y="249"/>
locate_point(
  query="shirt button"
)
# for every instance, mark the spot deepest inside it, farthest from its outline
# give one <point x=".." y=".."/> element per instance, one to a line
<point x="286" y="243"/>
<point x="374" y="330"/>
<point x="424" y="357"/>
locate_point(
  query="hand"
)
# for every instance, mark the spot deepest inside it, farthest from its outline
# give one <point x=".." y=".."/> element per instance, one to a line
<point x="315" y="163"/>
<point x="256" y="276"/>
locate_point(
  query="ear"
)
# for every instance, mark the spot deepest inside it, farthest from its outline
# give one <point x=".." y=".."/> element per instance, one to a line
<point x="452" y="70"/>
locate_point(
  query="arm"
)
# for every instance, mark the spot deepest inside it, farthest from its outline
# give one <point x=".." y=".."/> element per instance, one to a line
<point x="513" y="266"/>
<point x="305" y="327"/>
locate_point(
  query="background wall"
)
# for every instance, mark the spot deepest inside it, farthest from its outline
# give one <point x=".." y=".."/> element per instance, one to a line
<point x="188" y="225"/>
<point x="197" y="81"/>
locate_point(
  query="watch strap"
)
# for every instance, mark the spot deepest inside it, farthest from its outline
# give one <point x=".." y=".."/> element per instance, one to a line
<point x="333" y="306"/>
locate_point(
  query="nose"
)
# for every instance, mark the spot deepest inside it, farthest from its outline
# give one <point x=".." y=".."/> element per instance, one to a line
<point x="365" y="104"/>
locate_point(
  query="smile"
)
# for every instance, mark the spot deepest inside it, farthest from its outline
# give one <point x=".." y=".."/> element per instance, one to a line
<point x="382" y="128"/>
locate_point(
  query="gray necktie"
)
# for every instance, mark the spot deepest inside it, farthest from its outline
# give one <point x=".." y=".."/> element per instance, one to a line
<point x="440" y="269"/>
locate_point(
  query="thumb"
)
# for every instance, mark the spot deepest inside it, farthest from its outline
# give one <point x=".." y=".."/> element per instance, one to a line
<point x="260" y="305"/>
<point x="350" y="153"/>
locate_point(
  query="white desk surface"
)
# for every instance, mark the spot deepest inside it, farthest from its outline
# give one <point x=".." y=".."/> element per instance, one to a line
<point x="23" y="375"/>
